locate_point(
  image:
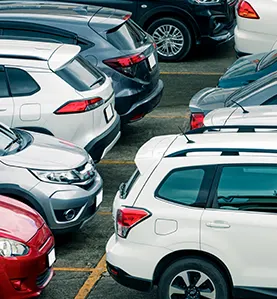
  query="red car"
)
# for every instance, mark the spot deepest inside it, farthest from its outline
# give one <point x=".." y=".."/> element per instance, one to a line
<point x="27" y="251"/>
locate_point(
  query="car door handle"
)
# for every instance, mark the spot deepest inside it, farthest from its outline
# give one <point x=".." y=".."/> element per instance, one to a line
<point x="3" y="109"/>
<point x="218" y="224"/>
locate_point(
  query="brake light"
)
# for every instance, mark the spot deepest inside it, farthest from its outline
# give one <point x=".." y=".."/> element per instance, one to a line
<point x="127" y="218"/>
<point x="80" y="106"/>
<point x="126" y="65"/>
<point x="245" y="10"/>
<point x="196" y="120"/>
<point x="127" y="17"/>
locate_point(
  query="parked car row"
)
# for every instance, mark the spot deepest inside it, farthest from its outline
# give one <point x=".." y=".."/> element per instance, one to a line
<point x="71" y="76"/>
<point x="198" y="216"/>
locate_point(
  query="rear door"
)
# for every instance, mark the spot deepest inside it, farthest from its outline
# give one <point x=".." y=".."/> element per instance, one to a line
<point x="6" y="101"/>
<point x="240" y="227"/>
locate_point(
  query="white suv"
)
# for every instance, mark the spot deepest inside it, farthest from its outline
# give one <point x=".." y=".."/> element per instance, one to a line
<point x="198" y="217"/>
<point x="48" y="88"/>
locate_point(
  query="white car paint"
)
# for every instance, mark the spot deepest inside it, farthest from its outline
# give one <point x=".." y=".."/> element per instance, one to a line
<point x="253" y="36"/>
<point x="241" y="240"/>
<point x="42" y="61"/>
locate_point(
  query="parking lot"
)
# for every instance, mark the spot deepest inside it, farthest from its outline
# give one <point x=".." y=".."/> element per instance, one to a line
<point x="80" y="265"/>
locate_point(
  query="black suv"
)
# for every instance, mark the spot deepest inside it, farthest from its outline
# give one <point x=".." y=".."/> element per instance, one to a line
<point x="109" y="40"/>
<point x="178" y="25"/>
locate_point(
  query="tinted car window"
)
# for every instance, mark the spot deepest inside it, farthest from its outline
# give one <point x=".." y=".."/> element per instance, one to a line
<point x="268" y="60"/>
<point x="4" y="92"/>
<point x="182" y="186"/>
<point x="251" y="188"/>
<point x="129" y="36"/>
<point x="21" y="83"/>
<point x="34" y="34"/>
<point x="271" y="101"/>
<point x="80" y="75"/>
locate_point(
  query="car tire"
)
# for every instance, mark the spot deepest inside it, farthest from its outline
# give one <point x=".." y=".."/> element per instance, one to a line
<point x="176" y="275"/>
<point x="172" y="28"/>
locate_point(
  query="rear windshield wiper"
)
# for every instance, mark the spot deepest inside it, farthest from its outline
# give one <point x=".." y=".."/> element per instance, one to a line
<point x="15" y="140"/>
<point x="100" y="79"/>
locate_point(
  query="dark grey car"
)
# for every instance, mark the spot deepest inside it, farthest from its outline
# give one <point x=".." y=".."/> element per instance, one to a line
<point x="260" y="92"/>
<point x="109" y="40"/>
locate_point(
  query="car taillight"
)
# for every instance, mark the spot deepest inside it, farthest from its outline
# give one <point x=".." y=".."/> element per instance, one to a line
<point x="245" y="10"/>
<point x="126" y="65"/>
<point x="127" y="218"/>
<point x="196" y="120"/>
<point x="80" y="106"/>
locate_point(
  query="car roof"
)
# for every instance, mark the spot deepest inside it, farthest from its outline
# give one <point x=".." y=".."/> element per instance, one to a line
<point x="229" y="141"/>
<point x="62" y="9"/>
<point x="55" y="54"/>
<point x="257" y="115"/>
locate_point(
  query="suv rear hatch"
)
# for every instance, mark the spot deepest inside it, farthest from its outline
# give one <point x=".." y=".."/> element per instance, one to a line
<point x="139" y="59"/>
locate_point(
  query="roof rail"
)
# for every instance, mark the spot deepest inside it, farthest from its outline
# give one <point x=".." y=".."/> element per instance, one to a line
<point x="28" y="57"/>
<point x="241" y="128"/>
<point x="224" y="151"/>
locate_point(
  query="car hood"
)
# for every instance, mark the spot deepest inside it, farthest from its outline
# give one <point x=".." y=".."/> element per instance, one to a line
<point x="18" y="221"/>
<point x="244" y="66"/>
<point x="48" y="153"/>
<point x="210" y="98"/>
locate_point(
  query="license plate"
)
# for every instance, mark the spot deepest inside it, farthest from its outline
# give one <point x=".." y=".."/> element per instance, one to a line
<point x="152" y="61"/>
<point x="51" y="257"/>
<point x="109" y="113"/>
<point x="99" y="198"/>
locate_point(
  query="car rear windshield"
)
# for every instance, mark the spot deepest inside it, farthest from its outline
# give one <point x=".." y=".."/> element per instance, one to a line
<point x="81" y="75"/>
<point x="128" y="36"/>
<point x="251" y="88"/>
<point x="268" y="60"/>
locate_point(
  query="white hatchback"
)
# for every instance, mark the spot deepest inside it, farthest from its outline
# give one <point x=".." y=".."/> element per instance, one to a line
<point x="49" y="88"/>
<point x="198" y="217"/>
<point x="256" y="27"/>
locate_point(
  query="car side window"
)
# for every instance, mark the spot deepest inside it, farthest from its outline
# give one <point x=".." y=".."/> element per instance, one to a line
<point x="248" y="188"/>
<point x="21" y="83"/>
<point x="4" y="91"/>
<point x="182" y="186"/>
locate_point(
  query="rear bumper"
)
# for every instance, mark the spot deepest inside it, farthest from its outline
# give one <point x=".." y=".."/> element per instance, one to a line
<point x="99" y="146"/>
<point x="129" y="281"/>
<point x="140" y="108"/>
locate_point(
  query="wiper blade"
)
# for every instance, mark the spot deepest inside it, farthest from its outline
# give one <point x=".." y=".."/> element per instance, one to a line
<point x="97" y="81"/>
<point x="16" y="140"/>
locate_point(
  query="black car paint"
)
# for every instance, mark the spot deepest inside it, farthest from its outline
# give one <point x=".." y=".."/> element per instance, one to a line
<point x="87" y="27"/>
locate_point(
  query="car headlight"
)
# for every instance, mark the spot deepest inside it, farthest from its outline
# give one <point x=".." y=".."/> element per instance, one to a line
<point x="62" y="177"/>
<point x="9" y="248"/>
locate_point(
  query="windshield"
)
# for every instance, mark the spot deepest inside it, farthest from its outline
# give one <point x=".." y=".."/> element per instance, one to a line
<point x="81" y="75"/>
<point x="268" y="60"/>
<point x="249" y="89"/>
<point x="8" y="140"/>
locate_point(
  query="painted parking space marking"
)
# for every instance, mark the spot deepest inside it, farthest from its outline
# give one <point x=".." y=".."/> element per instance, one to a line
<point x="92" y="279"/>
<point x="74" y="269"/>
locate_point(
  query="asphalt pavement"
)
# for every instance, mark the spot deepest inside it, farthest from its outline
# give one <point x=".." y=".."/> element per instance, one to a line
<point x="80" y="266"/>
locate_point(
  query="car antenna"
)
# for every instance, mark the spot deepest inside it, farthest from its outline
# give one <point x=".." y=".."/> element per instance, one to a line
<point x="189" y="141"/>
<point x="244" y="110"/>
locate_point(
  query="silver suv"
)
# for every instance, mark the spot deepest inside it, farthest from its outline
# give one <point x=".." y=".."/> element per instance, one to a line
<point x="53" y="176"/>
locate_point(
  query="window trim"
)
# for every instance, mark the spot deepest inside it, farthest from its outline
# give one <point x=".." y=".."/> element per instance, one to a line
<point x="205" y="187"/>
<point x="3" y="68"/>
<point x="212" y="204"/>
<point x="21" y="94"/>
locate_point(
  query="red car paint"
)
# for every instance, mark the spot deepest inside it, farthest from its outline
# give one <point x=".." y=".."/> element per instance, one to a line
<point x="26" y="276"/>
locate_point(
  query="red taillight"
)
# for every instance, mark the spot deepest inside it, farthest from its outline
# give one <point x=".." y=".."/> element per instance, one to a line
<point x="127" y="218"/>
<point x="126" y="65"/>
<point x="196" y="120"/>
<point x="127" y="17"/>
<point x="245" y="10"/>
<point x="79" y="106"/>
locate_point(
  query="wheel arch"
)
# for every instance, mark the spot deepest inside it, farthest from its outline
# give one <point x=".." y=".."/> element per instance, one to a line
<point x="175" y="13"/>
<point x="177" y="255"/>
<point x="16" y="192"/>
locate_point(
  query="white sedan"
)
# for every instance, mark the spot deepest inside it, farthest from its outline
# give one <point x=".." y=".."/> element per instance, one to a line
<point x="256" y="27"/>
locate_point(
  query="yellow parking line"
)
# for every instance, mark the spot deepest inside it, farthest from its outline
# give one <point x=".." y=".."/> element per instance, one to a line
<point x="116" y="162"/>
<point x="92" y="279"/>
<point x="193" y="73"/>
<point x="74" y="269"/>
<point x="104" y="213"/>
